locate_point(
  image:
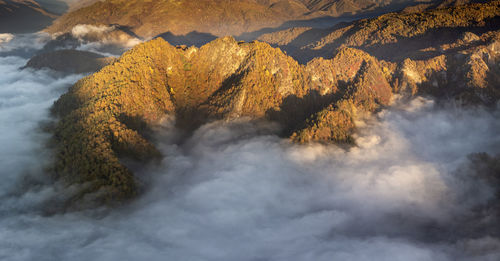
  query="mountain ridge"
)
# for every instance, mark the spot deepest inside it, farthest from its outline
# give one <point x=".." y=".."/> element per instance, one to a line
<point x="102" y="114"/>
<point x="106" y="119"/>
<point x="393" y="28"/>
<point x="220" y="17"/>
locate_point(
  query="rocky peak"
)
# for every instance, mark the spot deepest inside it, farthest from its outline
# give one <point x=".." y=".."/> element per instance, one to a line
<point x="108" y="116"/>
<point x="111" y="111"/>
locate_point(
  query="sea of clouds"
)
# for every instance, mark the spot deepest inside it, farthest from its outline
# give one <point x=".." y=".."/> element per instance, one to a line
<point x="235" y="191"/>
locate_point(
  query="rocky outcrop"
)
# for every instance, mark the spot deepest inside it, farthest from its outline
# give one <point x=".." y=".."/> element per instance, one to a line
<point x="106" y="117"/>
<point x="364" y="86"/>
<point x="449" y="53"/>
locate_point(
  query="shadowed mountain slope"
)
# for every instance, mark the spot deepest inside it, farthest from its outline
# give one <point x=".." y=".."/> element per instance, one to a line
<point x="69" y="61"/>
<point x="23" y="16"/>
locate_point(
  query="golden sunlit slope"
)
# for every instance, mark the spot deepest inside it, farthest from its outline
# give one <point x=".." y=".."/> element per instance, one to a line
<point x="148" y="18"/>
<point x="391" y="28"/>
<point x="342" y="7"/>
<point x="105" y="118"/>
<point x="391" y="35"/>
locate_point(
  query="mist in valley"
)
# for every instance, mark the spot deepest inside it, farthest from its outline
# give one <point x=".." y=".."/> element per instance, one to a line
<point x="237" y="191"/>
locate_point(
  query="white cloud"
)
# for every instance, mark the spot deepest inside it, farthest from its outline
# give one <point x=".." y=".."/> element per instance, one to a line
<point x="82" y="30"/>
<point x="22" y="42"/>
<point x="235" y="191"/>
<point x="5" y="38"/>
<point x="94" y="37"/>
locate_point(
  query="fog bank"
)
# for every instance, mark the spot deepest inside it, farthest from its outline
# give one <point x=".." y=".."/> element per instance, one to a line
<point x="236" y="191"/>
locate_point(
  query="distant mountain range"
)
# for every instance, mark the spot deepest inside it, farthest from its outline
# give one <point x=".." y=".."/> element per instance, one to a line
<point x="221" y="17"/>
<point x="218" y="17"/>
<point x="181" y="17"/>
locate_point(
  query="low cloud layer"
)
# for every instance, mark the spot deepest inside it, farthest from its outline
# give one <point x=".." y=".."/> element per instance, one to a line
<point x="5" y="38"/>
<point x="236" y="191"/>
<point x="25" y="96"/>
<point x="103" y="39"/>
<point x="22" y="45"/>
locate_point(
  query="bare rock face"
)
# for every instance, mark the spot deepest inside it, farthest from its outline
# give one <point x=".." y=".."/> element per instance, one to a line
<point x="69" y="61"/>
<point x="469" y="37"/>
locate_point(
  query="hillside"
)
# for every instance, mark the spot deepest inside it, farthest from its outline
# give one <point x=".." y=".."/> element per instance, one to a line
<point x="414" y="34"/>
<point x="69" y="61"/>
<point x="23" y="16"/>
<point x="77" y="4"/>
<point x="346" y="7"/>
<point x="218" y="18"/>
<point x="106" y="119"/>
<point x="178" y="17"/>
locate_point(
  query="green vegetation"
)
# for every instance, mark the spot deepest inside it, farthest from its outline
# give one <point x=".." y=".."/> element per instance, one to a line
<point x="98" y="121"/>
<point x="104" y="118"/>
